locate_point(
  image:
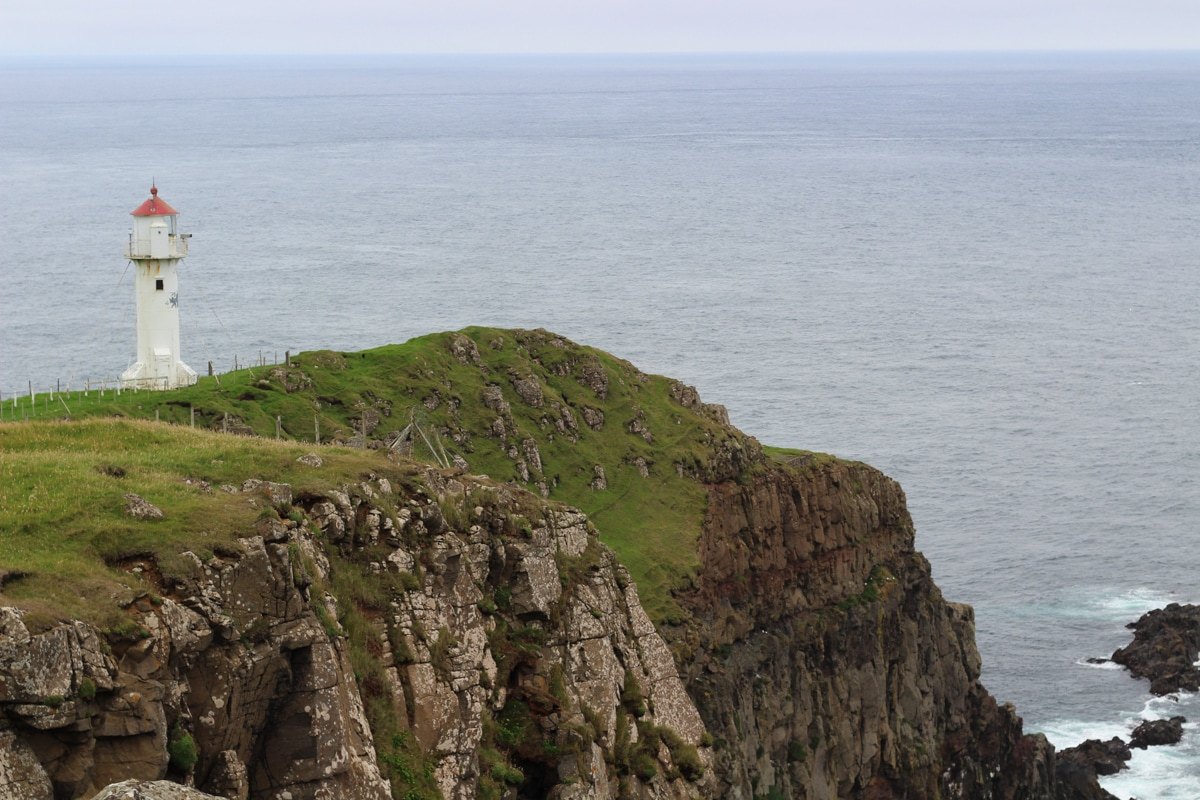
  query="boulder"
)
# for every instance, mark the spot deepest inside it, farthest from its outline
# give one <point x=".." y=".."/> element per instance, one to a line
<point x="139" y="508"/>
<point x="1077" y="768"/>
<point x="1165" y="647"/>
<point x="151" y="790"/>
<point x="1155" y="732"/>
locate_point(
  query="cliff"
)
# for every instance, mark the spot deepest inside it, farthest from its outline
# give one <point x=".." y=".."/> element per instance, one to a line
<point x="380" y="628"/>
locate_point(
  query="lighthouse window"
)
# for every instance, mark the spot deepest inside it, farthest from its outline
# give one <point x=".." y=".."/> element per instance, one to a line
<point x="158" y="284"/>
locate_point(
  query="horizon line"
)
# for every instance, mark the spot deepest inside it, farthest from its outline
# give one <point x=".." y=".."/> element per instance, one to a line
<point x="619" y="53"/>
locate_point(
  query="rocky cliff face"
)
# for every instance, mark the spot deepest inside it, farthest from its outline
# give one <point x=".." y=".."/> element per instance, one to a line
<point x="488" y="636"/>
<point x="827" y="660"/>
<point x="425" y="633"/>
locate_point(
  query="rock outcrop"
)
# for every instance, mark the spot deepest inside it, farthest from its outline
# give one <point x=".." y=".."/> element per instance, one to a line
<point x="1155" y="732"/>
<point x="487" y="635"/>
<point x="1077" y="768"/>
<point x="825" y="658"/>
<point x="1165" y="648"/>
<point x="151" y="790"/>
<point x="229" y="666"/>
<point x="424" y="633"/>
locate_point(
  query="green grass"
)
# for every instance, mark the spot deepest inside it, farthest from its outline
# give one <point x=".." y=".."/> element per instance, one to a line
<point x="651" y="522"/>
<point x="63" y="526"/>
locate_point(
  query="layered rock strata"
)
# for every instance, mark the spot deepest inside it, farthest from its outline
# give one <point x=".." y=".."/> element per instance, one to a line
<point x="826" y="659"/>
<point x="492" y="635"/>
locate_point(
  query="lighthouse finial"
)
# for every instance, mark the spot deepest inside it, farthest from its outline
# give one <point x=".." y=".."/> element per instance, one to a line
<point x="153" y="187"/>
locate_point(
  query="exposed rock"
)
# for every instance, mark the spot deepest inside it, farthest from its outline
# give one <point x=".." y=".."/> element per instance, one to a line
<point x="593" y="376"/>
<point x="1156" y="732"/>
<point x="685" y="395"/>
<point x="593" y="417"/>
<point x="493" y="398"/>
<point x="529" y="389"/>
<point x="637" y="426"/>
<point x="139" y="508"/>
<point x="463" y="348"/>
<point x="641" y="465"/>
<point x="532" y="455"/>
<point x="276" y="493"/>
<point x="1165" y="647"/>
<point x="292" y="380"/>
<point x="822" y="652"/>
<point x="21" y="774"/>
<point x="1077" y="767"/>
<point x="599" y="482"/>
<point x="151" y="790"/>
<point x="310" y="459"/>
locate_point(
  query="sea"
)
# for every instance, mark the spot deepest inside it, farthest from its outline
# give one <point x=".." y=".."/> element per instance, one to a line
<point x="978" y="273"/>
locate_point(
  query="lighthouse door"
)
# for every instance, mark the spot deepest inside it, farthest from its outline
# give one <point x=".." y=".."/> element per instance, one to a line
<point x="159" y="241"/>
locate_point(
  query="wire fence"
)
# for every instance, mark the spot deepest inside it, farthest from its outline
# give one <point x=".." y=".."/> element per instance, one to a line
<point x="58" y="398"/>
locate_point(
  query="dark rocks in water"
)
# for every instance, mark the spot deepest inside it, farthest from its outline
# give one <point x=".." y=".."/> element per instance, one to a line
<point x="1166" y="644"/>
<point x="1098" y="660"/>
<point x="1077" y="768"/>
<point x="1156" y="732"/>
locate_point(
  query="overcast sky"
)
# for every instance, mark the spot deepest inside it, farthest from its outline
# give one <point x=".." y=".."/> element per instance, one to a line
<point x="64" y="27"/>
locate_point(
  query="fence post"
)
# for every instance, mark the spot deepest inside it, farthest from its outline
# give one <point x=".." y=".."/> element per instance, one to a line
<point x="316" y="429"/>
<point x="210" y="369"/>
<point x="225" y="423"/>
<point x="278" y="426"/>
<point x="156" y="415"/>
<point x="192" y="409"/>
<point x="287" y="358"/>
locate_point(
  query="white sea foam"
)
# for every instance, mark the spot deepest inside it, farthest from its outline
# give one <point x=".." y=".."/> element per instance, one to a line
<point x="1157" y="773"/>
<point x="1083" y="662"/>
<point x="1131" y="604"/>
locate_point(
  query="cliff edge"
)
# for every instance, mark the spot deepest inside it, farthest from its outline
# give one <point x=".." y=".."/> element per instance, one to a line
<point x="594" y="586"/>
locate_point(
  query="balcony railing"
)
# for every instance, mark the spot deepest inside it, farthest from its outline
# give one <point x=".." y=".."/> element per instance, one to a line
<point x="177" y="246"/>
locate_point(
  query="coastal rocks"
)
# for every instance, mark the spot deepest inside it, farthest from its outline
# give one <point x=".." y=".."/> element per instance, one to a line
<point x="1104" y="758"/>
<point x="1165" y="647"/>
<point x="824" y="655"/>
<point x="1076" y="768"/>
<point x="1157" y="732"/>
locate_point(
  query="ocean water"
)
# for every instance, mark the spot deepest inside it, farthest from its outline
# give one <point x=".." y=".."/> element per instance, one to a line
<point x="978" y="273"/>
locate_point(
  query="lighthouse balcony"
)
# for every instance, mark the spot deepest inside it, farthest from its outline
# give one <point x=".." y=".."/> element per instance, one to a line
<point x="175" y="246"/>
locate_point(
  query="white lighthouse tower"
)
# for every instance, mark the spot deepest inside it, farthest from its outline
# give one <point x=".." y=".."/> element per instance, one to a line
<point x="156" y="247"/>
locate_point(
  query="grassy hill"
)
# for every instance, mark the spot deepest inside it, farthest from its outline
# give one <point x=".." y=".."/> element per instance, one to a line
<point x="571" y="422"/>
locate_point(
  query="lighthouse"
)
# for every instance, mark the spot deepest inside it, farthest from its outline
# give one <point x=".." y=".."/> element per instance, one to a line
<point x="156" y="247"/>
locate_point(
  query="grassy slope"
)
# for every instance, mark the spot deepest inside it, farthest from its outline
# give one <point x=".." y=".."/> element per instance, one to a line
<point x="651" y="522"/>
<point x="62" y="518"/>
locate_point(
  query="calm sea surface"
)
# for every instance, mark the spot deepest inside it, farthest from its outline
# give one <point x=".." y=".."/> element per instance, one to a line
<point x="977" y="273"/>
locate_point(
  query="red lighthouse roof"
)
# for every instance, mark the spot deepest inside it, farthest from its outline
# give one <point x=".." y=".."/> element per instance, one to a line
<point x="154" y="207"/>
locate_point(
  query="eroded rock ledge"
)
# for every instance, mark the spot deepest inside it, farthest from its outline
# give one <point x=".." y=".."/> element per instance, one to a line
<point x="1165" y="647"/>
<point x="489" y="637"/>
<point x="826" y="657"/>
